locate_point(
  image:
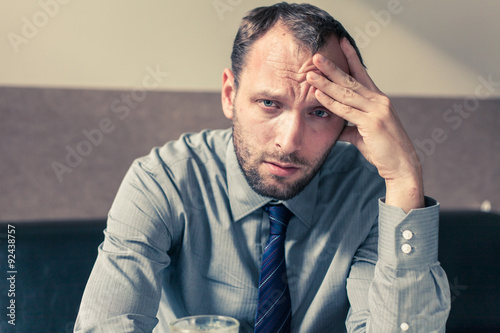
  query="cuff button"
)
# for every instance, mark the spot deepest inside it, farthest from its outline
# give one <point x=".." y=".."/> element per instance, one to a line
<point x="407" y="234"/>
<point x="406" y="248"/>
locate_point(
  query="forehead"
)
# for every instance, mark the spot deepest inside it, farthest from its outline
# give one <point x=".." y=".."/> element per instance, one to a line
<point x="278" y="51"/>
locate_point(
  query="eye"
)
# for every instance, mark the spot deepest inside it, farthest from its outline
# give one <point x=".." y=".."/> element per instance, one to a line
<point x="320" y="113"/>
<point x="267" y="103"/>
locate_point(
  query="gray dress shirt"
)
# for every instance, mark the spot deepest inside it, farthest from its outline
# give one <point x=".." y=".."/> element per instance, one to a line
<point x="185" y="236"/>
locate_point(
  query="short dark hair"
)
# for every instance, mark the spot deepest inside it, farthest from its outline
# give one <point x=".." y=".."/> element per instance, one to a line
<point x="310" y="25"/>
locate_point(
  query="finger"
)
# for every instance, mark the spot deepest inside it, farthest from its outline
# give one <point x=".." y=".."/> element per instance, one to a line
<point x="344" y="95"/>
<point x="337" y="75"/>
<point x="347" y="112"/>
<point x="357" y="69"/>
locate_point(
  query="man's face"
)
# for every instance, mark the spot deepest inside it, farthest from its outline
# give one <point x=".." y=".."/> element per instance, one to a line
<point x="282" y="134"/>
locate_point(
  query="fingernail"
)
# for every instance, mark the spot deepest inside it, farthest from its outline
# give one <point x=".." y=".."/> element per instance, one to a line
<point x="321" y="58"/>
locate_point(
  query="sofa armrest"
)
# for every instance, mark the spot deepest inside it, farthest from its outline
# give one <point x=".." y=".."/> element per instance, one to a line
<point x="53" y="261"/>
<point x="469" y="249"/>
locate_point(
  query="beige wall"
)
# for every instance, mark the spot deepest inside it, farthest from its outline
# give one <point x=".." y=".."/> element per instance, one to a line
<point x="424" y="47"/>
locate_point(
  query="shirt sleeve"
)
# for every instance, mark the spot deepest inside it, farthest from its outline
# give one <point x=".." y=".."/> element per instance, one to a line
<point x="396" y="283"/>
<point x="124" y="288"/>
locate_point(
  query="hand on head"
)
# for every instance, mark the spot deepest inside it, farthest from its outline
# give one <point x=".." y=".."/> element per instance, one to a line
<point x="377" y="131"/>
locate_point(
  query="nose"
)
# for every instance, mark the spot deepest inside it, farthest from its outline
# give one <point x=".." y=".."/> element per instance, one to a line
<point x="290" y="132"/>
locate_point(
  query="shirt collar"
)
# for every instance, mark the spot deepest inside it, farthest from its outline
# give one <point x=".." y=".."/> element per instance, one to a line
<point x="244" y="200"/>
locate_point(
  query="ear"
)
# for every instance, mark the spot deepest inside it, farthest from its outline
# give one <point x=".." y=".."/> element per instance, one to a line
<point x="228" y="93"/>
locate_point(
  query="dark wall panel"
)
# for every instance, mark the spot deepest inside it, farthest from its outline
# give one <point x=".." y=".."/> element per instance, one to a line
<point x="64" y="151"/>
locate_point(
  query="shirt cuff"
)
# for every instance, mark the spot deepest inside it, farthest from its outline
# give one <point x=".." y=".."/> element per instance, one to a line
<point x="408" y="240"/>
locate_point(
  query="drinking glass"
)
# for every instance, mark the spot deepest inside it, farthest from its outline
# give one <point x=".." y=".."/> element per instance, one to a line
<point x="206" y="323"/>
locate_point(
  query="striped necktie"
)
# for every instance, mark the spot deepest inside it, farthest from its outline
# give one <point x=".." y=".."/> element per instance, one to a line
<point x="274" y="310"/>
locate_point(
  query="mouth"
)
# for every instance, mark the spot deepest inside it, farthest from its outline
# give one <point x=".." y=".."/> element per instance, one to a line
<point x="281" y="169"/>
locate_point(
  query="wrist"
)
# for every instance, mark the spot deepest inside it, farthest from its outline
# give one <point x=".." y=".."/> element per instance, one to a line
<point x="406" y="192"/>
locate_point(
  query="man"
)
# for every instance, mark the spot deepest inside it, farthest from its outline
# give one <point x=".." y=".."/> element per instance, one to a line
<point x="187" y="233"/>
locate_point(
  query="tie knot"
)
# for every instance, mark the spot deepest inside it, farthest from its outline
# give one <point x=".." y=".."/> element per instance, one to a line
<point x="279" y="216"/>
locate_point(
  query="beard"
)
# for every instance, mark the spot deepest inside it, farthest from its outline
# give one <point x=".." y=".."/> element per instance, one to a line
<point x="270" y="185"/>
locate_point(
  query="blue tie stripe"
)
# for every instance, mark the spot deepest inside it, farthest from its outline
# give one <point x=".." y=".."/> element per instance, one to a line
<point x="266" y="276"/>
<point x="274" y="307"/>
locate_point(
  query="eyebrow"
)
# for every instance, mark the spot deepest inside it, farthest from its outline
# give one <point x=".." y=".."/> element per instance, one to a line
<point x="268" y="95"/>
